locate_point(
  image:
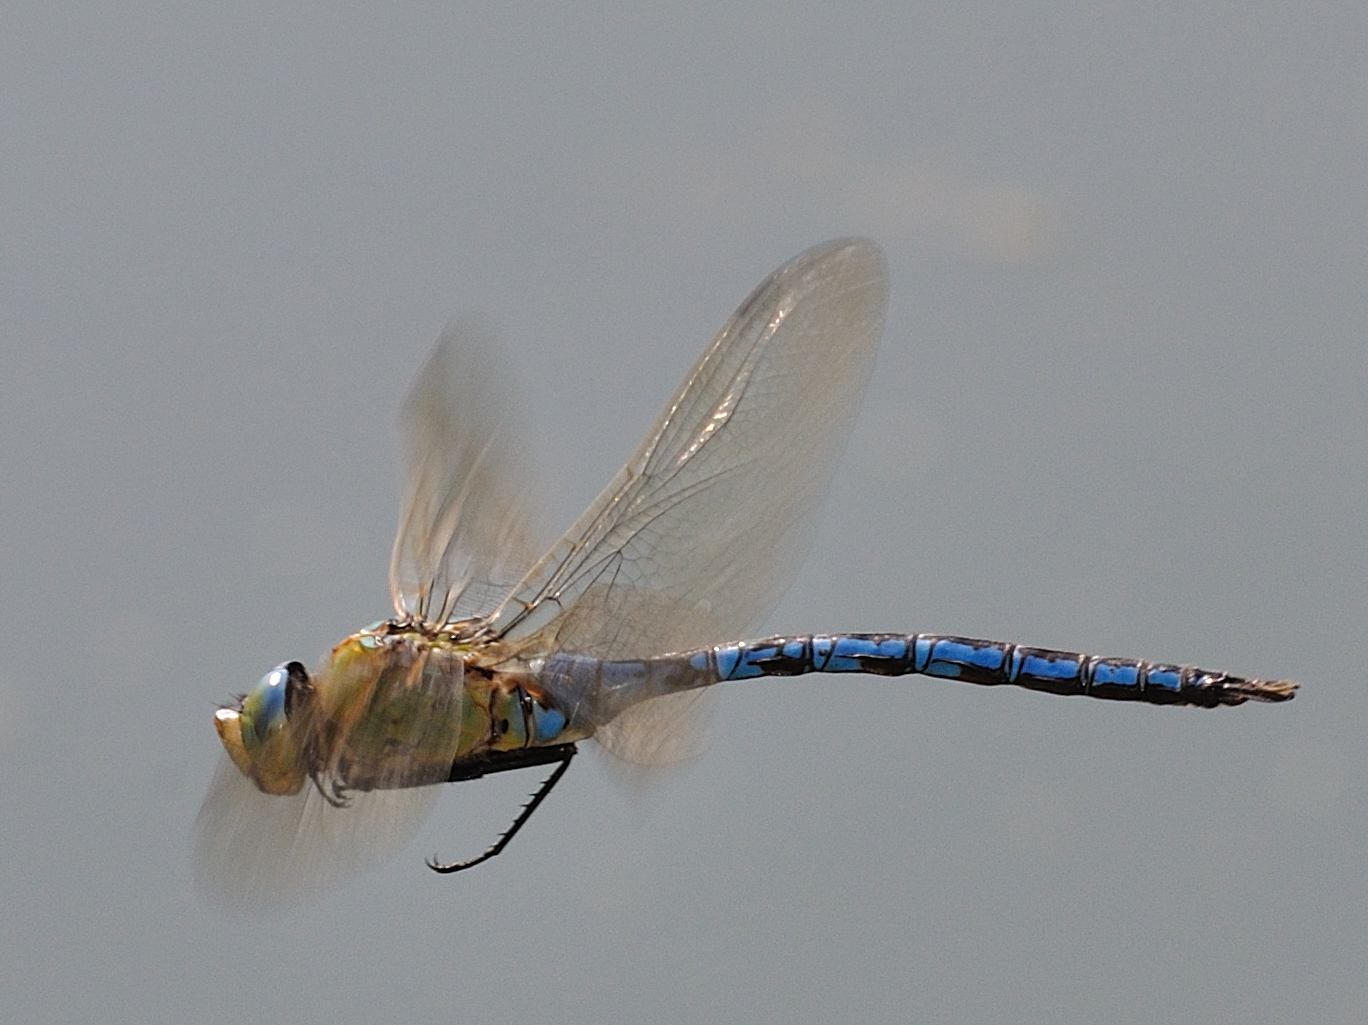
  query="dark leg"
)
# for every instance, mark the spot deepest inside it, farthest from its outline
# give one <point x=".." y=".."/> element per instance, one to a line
<point x="565" y="752"/>
<point x="477" y="766"/>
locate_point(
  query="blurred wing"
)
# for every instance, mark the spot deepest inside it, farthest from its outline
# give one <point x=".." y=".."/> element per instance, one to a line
<point x="699" y="534"/>
<point x="257" y="852"/>
<point x="463" y="537"/>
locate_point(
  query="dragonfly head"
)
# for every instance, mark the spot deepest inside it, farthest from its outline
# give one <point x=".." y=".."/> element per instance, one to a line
<point x="260" y="736"/>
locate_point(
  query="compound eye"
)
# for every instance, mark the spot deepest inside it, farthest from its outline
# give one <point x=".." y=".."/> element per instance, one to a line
<point x="265" y="706"/>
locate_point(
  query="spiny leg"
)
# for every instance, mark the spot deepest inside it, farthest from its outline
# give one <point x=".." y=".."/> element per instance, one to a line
<point x="334" y="791"/>
<point x="526" y="813"/>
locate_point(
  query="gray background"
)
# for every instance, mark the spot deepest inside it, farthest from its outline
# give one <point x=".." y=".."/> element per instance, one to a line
<point x="1119" y="407"/>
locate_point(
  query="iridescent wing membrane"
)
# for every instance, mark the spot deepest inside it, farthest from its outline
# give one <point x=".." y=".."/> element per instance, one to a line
<point x="699" y="534"/>
<point x="463" y="538"/>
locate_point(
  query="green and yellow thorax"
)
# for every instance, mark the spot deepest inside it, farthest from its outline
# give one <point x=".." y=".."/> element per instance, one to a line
<point x="395" y="706"/>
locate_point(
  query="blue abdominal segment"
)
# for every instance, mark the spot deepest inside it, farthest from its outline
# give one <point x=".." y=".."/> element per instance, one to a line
<point x="963" y="659"/>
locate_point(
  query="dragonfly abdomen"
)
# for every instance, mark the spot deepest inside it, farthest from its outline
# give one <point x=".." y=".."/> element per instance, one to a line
<point x="988" y="663"/>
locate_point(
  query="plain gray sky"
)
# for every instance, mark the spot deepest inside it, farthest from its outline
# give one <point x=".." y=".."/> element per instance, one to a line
<point x="1119" y="407"/>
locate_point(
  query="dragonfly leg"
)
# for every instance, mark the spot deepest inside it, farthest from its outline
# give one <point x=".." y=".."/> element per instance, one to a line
<point x="338" y="797"/>
<point x="567" y="753"/>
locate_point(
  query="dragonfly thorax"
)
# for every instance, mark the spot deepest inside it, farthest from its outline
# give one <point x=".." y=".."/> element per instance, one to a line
<point x="395" y="706"/>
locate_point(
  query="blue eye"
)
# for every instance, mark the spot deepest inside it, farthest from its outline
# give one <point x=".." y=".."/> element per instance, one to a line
<point x="264" y="710"/>
<point x="272" y="691"/>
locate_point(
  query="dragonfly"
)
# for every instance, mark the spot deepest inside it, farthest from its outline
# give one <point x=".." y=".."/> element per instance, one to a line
<point x="498" y="658"/>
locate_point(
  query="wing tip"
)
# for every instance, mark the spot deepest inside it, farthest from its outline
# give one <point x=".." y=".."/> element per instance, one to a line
<point x="852" y="263"/>
<point x="849" y="248"/>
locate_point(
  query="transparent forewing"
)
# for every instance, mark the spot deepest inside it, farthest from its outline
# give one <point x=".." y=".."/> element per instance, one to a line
<point x="256" y="851"/>
<point x="698" y="535"/>
<point x="463" y="537"/>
